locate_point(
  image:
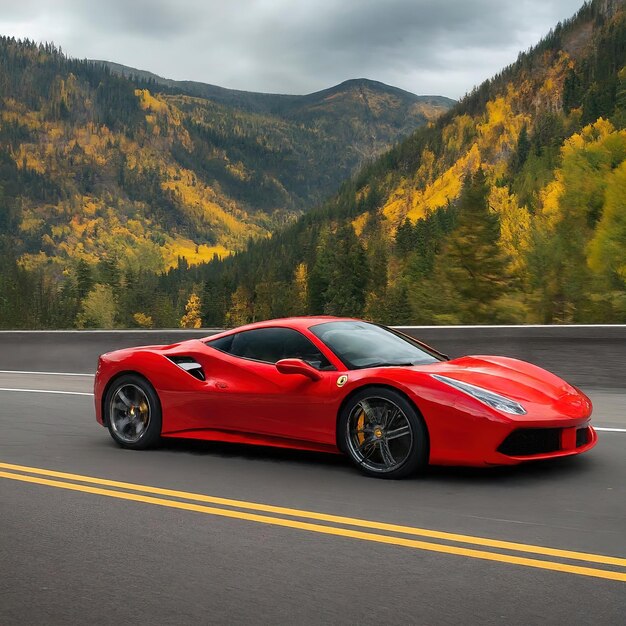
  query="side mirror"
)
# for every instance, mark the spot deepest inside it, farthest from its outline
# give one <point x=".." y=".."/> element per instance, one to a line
<point x="298" y="366"/>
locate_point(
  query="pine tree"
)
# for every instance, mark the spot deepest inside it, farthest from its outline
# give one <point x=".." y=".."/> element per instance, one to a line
<point x="164" y="312"/>
<point x="338" y="282"/>
<point x="405" y="238"/>
<point x="84" y="278"/>
<point x="109" y="271"/>
<point x="522" y="150"/>
<point x="213" y="304"/>
<point x="378" y="260"/>
<point x="571" y="91"/>
<point x="398" y="306"/>
<point x="472" y="260"/>
<point x="619" y="118"/>
<point x="320" y="274"/>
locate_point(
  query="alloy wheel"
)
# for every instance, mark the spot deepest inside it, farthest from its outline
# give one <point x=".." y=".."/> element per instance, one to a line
<point x="379" y="435"/>
<point x="129" y="413"/>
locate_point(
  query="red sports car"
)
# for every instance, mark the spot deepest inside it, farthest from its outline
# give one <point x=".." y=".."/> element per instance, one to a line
<point x="386" y="400"/>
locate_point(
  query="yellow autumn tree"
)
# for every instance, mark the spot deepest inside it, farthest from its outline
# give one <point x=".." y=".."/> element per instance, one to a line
<point x="241" y="310"/>
<point x="576" y="225"/>
<point x="515" y="226"/>
<point x="99" y="308"/>
<point x="301" y="295"/>
<point x="143" y="320"/>
<point x="607" y="249"/>
<point x="192" y="318"/>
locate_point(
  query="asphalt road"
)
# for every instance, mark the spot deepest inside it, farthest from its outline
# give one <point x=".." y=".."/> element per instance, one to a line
<point x="77" y="551"/>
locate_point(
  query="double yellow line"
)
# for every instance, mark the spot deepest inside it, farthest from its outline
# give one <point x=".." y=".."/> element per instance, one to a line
<point x="392" y="534"/>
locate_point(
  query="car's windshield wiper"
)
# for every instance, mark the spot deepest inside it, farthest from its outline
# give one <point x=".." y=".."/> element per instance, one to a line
<point x="388" y="364"/>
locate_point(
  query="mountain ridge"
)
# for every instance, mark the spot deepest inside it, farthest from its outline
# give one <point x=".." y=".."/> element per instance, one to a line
<point x="267" y="101"/>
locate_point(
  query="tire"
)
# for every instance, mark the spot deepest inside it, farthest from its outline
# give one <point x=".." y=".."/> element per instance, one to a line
<point x="133" y="412"/>
<point x="364" y="428"/>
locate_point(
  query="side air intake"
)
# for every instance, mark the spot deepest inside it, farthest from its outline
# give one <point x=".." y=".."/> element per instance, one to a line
<point x="190" y="365"/>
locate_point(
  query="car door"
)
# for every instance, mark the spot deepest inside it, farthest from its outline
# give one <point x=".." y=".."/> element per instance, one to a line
<point x="252" y="396"/>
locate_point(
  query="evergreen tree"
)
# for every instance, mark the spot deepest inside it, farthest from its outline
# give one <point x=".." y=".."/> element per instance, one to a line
<point x="109" y="272"/>
<point x="214" y="307"/>
<point x="619" y="118"/>
<point x="164" y="312"/>
<point x="405" y="237"/>
<point x="84" y="278"/>
<point x="338" y="281"/>
<point x="320" y="274"/>
<point x="399" y="310"/>
<point x="572" y="91"/>
<point x="472" y="260"/>
<point x="522" y="150"/>
<point x="377" y="260"/>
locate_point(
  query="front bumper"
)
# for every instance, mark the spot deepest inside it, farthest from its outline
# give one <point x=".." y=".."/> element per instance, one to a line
<point x="479" y="438"/>
<point x="537" y="443"/>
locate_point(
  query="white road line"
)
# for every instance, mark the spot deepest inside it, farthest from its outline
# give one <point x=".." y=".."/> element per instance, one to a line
<point x="67" y="393"/>
<point x="44" y="373"/>
<point x="610" y="430"/>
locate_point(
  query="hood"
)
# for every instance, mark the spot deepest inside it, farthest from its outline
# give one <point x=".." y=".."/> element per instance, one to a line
<point x="518" y="380"/>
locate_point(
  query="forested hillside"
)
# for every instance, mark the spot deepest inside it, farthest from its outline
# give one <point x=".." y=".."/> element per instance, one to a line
<point x="510" y="208"/>
<point x="101" y="170"/>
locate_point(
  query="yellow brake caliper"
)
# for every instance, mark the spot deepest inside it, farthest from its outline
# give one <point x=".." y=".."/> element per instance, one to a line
<point x="360" y="426"/>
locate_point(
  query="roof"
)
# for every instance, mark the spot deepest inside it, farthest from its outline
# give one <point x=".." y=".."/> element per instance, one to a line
<point x="298" y="323"/>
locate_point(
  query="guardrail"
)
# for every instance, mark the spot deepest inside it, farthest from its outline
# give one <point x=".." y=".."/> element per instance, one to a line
<point x="585" y="355"/>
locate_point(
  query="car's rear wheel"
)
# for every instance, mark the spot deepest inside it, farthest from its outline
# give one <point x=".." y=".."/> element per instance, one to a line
<point x="133" y="412"/>
<point x="383" y="434"/>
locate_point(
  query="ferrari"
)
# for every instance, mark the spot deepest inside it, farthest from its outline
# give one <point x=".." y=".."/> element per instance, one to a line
<point x="389" y="402"/>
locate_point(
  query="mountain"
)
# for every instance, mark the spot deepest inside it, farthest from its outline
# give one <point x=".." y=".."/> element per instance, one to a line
<point x="326" y="134"/>
<point x="94" y="164"/>
<point x="297" y="106"/>
<point x="510" y="208"/>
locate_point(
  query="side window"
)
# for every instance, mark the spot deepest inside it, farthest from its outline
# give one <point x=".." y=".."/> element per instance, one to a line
<point x="297" y="346"/>
<point x="271" y="345"/>
<point x="224" y="343"/>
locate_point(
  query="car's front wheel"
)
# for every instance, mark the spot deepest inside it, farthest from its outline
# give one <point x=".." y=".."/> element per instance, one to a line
<point x="133" y="412"/>
<point x="383" y="434"/>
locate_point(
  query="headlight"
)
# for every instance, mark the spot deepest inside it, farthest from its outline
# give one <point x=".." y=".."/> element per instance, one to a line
<point x="494" y="400"/>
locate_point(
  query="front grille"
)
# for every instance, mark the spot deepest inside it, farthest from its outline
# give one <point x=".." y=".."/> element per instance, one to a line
<point x="582" y="437"/>
<point x="529" y="441"/>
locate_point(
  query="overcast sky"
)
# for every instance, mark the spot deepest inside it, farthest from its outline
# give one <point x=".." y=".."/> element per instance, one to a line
<point x="296" y="46"/>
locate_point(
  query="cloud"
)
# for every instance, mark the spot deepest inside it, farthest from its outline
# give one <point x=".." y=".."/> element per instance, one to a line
<point x="296" y="46"/>
<point x="153" y="20"/>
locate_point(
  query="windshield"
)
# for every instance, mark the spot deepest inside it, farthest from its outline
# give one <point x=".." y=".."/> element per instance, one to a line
<point x="361" y="344"/>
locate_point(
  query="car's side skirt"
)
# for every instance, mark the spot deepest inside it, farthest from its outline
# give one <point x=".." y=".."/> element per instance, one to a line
<point x="253" y="439"/>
